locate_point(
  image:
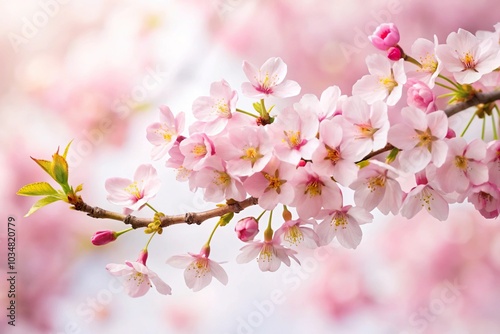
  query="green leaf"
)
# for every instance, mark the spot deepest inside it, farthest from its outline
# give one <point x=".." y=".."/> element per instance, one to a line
<point x="258" y="107"/>
<point x="41" y="203"/>
<point x="45" y="164"/>
<point x="60" y="169"/>
<point x="37" y="189"/>
<point x="66" y="150"/>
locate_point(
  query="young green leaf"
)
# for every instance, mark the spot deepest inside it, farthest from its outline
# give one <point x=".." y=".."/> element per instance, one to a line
<point x="37" y="189"/>
<point x="41" y="203"/>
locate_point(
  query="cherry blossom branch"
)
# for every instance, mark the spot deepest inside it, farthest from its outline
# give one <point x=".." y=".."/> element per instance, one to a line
<point x="476" y="99"/>
<point x="189" y="217"/>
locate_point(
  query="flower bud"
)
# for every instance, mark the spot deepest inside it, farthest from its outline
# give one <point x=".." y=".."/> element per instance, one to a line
<point x="103" y="237"/>
<point x="385" y="36"/>
<point x="421" y="96"/>
<point x="247" y="228"/>
<point x="394" y="53"/>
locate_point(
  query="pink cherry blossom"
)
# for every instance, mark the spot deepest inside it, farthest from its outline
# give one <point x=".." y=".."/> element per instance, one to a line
<point x="199" y="269"/>
<point x="492" y="160"/>
<point x="344" y="224"/>
<point x="486" y="199"/>
<point x="385" y="80"/>
<point x="272" y="185"/>
<point x="295" y="233"/>
<point x="294" y="134"/>
<point x="424" y="196"/>
<point x="313" y="191"/>
<point x="424" y="51"/>
<point x="164" y="134"/>
<point x="138" y="277"/>
<point x="468" y="57"/>
<point x="386" y="35"/>
<point x="133" y="194"/>
<point x="218" y="183"/>
<point x="336" y="154"/>
<point x="369" y="124"/>
<point x="420" y="136"/>
<point x="247" y="228"/>
<point x="270" y="254"/>
<point x="247" y="150"/>
<point x="421" y="96"/>
<point x="268" y="80"/>
<point x="376" y="186"/>
<point x="463" y="166"/>
<point x="196" y="150"/>
<point x="215" y="110"/>
<point x="324" y="108"/>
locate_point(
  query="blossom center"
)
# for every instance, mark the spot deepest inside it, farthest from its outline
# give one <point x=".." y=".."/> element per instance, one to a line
<point x="376" y="182"/>
<point x="313" y="188"/>
<point x="266" y="254"/>
<point x="428" y="63"/>
<point x="461" y="162"/>
<point x="468" y="61"/>
<point x="340" y="221"/>
<point x="274" y="182"/>
<point x="139" y="278"/>
<point x="199" y="150"/>
<point x="293" y="139"/>
<point x="133" y="189"/>
<point x="425" y="138"/>
<point x="222" y="178"/>
<point x="388" y="82"/>
<point x="252" y="154"/>
<point x="426" y="198"/>
<point x="294" y="235"/>
<point x="222" y="108"/>
<point x="332" y="154"/>
<point x="166" y="133"/>
<point x="366" y="130"/>
<point x="200" y="267"/>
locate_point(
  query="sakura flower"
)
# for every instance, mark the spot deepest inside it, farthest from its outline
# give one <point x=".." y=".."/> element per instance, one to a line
<point x="424" y="196"/>
<point x="247" y="228"/>
<point x="468" y="57"/>
<point x="270" y="254"/>
<point x="138" y="277"/>
<point x="385" y="80"/>
<point x="134" y="194"/>
<point x="324" y="108"/>
<point x="196" y="150"/>
<point x="463" y="166"/>
<point x="272" y="185"/>
<point x="424" y="51"/>
<point x="369" y="124"/>
<point x="486" y="199"/>
<point x="344" y="224"/>
<point x="313" y="190"/>
<point x="215" y="110"/>
<point x="421" y="96"/>
<point x="493" y="162"/>
<point x="219" y="185"/>
<point x="376" y="186"/>
<point x="385" y="36"/>
<point x="295" y="233"/>
<point x="336" y="155"/>
<point x="163" y="134"/>
<point x="247" y="150"/>
<point x="294" y="133"/>
<point x="420" y="136"/>
<point x="268" y="80"/>
<point x="199" y="269"/>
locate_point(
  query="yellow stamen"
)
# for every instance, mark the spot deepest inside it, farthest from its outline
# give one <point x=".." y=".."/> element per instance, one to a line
<point x="313" y="188"/>
<point x="274" y="182"/>
<point x="199" y="150"/>
<point x="461" y="162"/>
<point x="294" y="235"/>
<point x="133" y="189"/>
<point x="252" y="154"/>
<point x="376" y="182"/>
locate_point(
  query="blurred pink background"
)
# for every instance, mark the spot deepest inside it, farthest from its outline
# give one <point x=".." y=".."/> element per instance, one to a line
<point x="96" y="72"/>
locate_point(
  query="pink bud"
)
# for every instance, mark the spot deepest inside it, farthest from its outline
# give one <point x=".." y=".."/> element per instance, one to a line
<point x="421" y="96"/>
<point x="103" y="237"/>
<point x="450" y="134"/>
<point x="385" y="36"/>
<point x="247" y="228"/>
<point x="394" y="53"/>
<point x="143" y="257"/>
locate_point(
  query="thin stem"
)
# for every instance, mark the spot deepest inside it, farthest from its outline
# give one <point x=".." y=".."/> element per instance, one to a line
<point x="450" y="81"/>
<point x="270" y="220"/>
<point x="260" y="216"/>
<point x="212" y="234"/>
<point x="495" y="135"/>
<point x="246" y="113"/>
<point x="445" y="95"/>
<point x="150" y="238"/>
<point x="149" y="206"/>
<point x="484" y="128"/>
<point x="123" y="231"/>
<point x="444" y="86"/>
<point x="468" y="124"/>
<point x="264" y="113"/>
<point x="412" y="60"/>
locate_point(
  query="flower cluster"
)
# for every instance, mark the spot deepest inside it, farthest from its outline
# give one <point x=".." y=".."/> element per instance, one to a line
<point x="398" y="155"/>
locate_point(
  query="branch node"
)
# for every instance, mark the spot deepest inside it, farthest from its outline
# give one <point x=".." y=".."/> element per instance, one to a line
<point x="190" y="218"/>
<point x="129" y="220"/>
